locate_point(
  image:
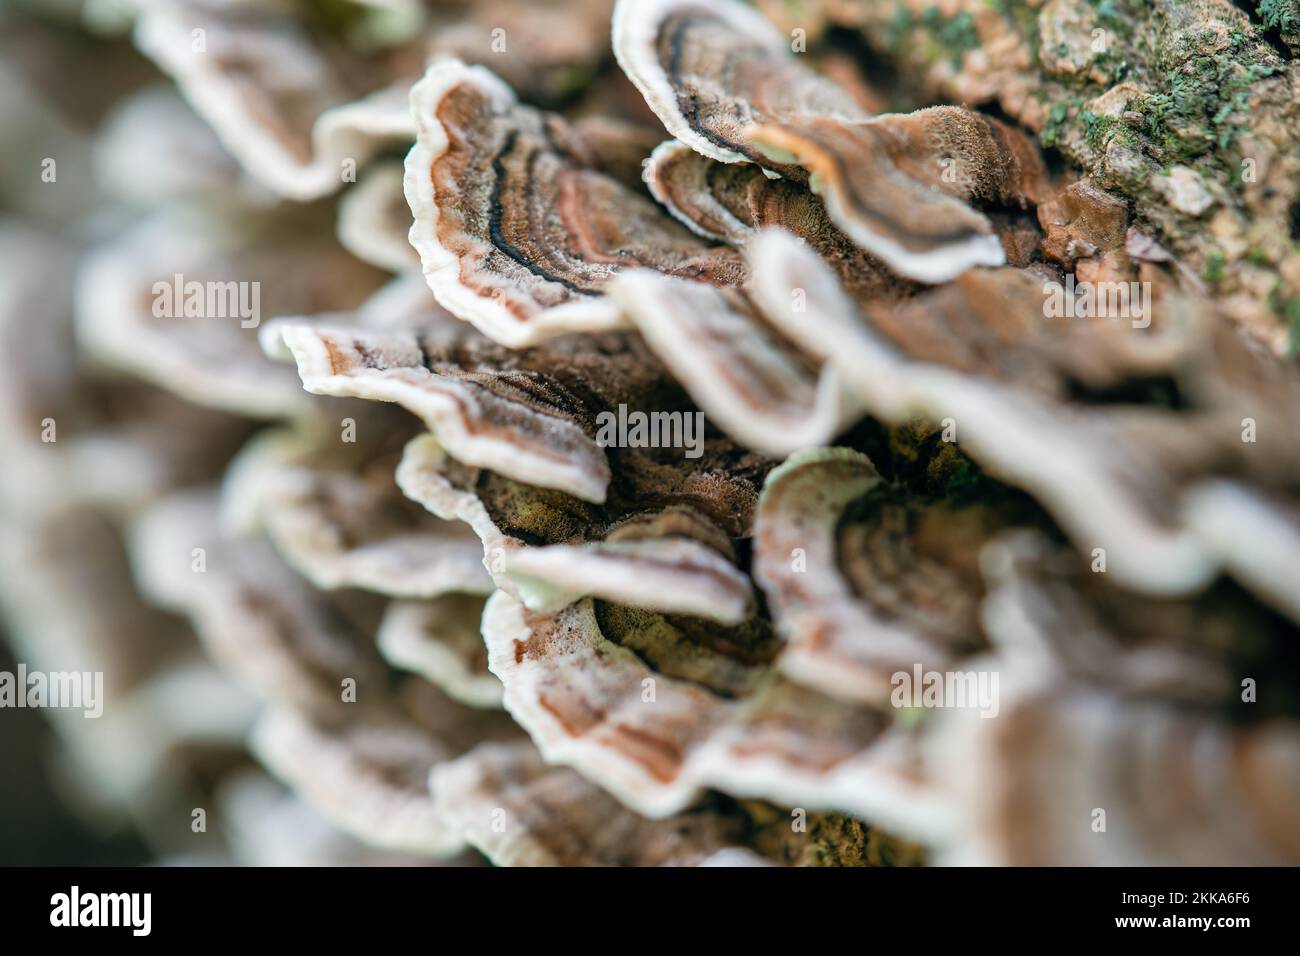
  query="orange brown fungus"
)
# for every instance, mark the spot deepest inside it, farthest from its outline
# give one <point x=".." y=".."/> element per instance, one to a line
<point x="730" y="201"/>
<point x="517" y="232"/>
<point x="915" y="179"/>
<point x="725" y="82"/>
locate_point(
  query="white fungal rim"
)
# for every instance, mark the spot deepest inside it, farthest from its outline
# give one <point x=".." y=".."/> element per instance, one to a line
<point x="350" y="131"/>
<point x="441" y="266"/>
<point x="443" y="410"/>
<point x="634" y="34"/>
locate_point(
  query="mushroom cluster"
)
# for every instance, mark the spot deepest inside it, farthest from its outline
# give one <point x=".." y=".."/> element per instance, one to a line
<point x="579" y="432"/>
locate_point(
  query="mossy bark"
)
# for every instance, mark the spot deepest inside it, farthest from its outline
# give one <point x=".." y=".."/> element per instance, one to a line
<point x="1189" y="110"/>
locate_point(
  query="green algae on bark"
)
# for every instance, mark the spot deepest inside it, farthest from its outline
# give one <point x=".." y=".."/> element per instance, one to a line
<point x="1188" y="110"/>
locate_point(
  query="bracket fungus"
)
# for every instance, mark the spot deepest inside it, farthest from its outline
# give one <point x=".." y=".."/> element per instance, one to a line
<point x="895" y="465"/>
<point x="1173" y="773"/>
<point x="520" y="812"/>
<point x="1113" y="474"/>
<point x="516" y="233"/>
<point x="270" y="627"/>
<point x="367" y="778"/>
<point x="374" y="220"/>
<point x="731" y="202"/>
<point x="499" y="427"/>
<point x="177" y="300"/>
<point x="289" y="111"/>
<point x="724" y="81"/>
<point x="710" y="69"/>
<point x="738" y="369"/>
<point x="863" y="582"/>
<point x="548" y="550"/>
<point x="439" y="640"/>
<point x="583" y="699"/>
<point x="341" y="521"/>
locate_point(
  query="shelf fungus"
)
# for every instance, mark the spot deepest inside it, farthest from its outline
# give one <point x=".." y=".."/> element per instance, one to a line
<point x="257" y="617"/>
<point x="730" y="202"/>
<point x="741" y="372"/>
<point x="552" y="416"/>
<point x="271" y="826"/>
<point x="651" y="712"/>
<point x="177" y="301"/>
<point x="296" y="117"/>
<point x="653" y="560"/>
<point x="367" y="779"/>
<point x="439" y="640"/>
<point x="154" y="148"/>
<point x="866" y="580"/>
<point x="374" y="220"/>
<point x="905" y="187"/>
<point x="1084" y="778"/>
<point x="157" y="703"/>
<point x="518" y="234"/>
<point x="710" y="69"/>
<point x="737" y="360"/>
<point x="371" y="776"/>
<point x="666" y="539"/>
<point x="488" y="416"/>
<point x="1112" y="475"/>
<point x="654" y="432"/>
<point x="1047" y="610"/>
<point x="333" y="511"/>
<point x="101" y="442"/>
<point x="520" y="812"/>
<point x="104" y="626"/>
<point x="725" y="82"/>
<point x="1256" y="536"/>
